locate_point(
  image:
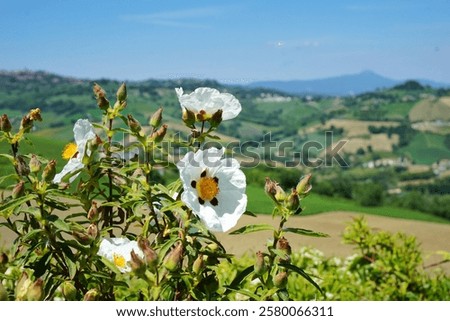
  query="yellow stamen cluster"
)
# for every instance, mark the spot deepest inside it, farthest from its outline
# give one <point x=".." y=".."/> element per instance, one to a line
<point x="70" y="150"/>
<point x="207" y="188"/>
<point x="119" y="260"/>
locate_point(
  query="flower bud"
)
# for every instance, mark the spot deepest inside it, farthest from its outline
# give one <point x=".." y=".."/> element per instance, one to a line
<point x="22" y="287"/>
<point x="91" y="295"/>
<point x="18" y="190"/>
<point x="3" y="293"/>
<point x="36" y="291"/>
<point x="173" y="259"/>
<point x="293" y="202"/>
<point x="270" y="188"/>
<point x="156" y="118"/>
<point x="134" y="125"/>
<point x="216" y="118"/>
<point x="69" y="291"/>
<point x="92" y="230"/>
<point x="198" y="265"/>
<point x="35" y="114"/>
<point x="92" y="214"/>
<point x="22" y="166"/>
<point x="26" y="124"/>
<point x="284" y="246"/>
<point x="188" y="117"/>
<point x="260" y="266"/>
<point x="137" y="263"/>
<point x="280" y="280"/>
<point x="280" y="195"/>
<point x="212" y="247"/>
<point x="5" y="124"/>
<point x="122" y="93"/>
<point x="100" y="95"/>
<point x="35" y="164"/>
<point x="304" y="186"/>
<point x="274" y="190"/>
<point x="158" y="135"/>
<point x="49" y="171"/>
<point x="151" y="257"/>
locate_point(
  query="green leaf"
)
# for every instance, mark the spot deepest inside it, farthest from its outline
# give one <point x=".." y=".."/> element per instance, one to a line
<point x="60" y="224"/>
<point x="253" y="228"/>
<point x="9" y="157"/>
<point x="302" y="273"/>
<point x="239" y="277"/>
<point x="13" y="203"/>
<point x="56" y="204"/>
<point x="245" y="292"/>
<point x="4" y="178"/>
<point x="250" y="213"/>
<point x="214" y="137"/>
<point x="41" y="266"/>
<point x="302" y="231"/>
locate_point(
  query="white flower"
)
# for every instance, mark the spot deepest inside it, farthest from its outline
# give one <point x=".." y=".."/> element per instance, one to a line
<point x="214" y="188"/>
<point x="208" y="101"/>
<point x="74" y="152"/>
<point x="118" y="250"/>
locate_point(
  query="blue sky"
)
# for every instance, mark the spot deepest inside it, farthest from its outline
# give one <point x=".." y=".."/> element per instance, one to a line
<point x="231" y="41"/>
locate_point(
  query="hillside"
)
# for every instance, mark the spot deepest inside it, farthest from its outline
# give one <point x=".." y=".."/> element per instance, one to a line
<point x="396" y="139"/>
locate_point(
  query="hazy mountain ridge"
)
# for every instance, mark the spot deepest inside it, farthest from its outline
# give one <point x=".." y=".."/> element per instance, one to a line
<point x="345" y="85"/>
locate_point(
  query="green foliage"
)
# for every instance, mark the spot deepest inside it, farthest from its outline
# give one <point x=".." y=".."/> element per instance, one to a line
<point x="369" y="194"/>
<point x="384" y="267"/>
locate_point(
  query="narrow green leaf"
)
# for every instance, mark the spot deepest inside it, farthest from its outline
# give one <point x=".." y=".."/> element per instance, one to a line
<point x="253" y="228"/>
<point x="9" y="157"/>
<point x="7" y="206"/>
<point x="56" y="204"/>
<point x="245" y="292"/>
<point x="250" y="213"/>
<point x="239" y="277"/>
<point x="302" y="273"/>
<point x="61" y="225"/>
<point x="302" y="231"/>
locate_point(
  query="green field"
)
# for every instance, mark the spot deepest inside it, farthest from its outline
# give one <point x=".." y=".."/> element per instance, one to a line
<point x="260" y="203"/>
<point x="426" y="148"/>
<point x="397" y="110"/>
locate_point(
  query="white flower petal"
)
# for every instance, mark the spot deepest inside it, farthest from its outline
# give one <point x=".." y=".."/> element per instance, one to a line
<point x="119" y="246"/>
<point x="72" y="165"/>
<point x="231" y="197"/>
<point x="210" y="100"/>
<point x="83" y="131"/>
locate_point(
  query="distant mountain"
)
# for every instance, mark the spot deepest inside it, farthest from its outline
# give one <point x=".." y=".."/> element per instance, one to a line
<point x="345" y="85"/>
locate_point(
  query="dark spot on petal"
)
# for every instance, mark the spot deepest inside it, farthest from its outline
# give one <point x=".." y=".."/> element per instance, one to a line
<point x="203" y="174"/>
<point x="214" y="201"/>
<point x="201" y="201"/>
<point x="216" y="179"/>
<point x="193" y="184"/>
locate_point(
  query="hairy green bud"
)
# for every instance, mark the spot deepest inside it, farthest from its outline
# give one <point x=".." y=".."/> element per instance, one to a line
<point x="156" y="118"/>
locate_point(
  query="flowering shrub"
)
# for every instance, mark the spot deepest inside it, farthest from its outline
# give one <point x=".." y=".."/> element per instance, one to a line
<point x="103" y="229"/>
